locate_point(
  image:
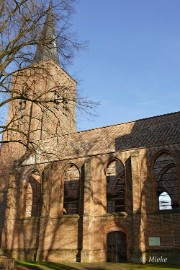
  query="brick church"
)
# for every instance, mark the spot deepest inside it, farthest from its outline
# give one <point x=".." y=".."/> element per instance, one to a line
<point x="105" y="194"/>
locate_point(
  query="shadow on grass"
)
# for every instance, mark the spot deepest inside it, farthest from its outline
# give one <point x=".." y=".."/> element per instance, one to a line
<point x="93" y="266"/>
<point x="39" y="265"/>
<point x="55" y="266"/>
<point x="25" y="265"/>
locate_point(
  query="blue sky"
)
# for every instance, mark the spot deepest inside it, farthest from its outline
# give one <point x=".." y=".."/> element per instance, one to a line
<point x="132" y="65"/>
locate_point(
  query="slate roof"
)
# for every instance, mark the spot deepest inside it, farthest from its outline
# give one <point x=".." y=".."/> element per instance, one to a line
<point x="154" y="131"/>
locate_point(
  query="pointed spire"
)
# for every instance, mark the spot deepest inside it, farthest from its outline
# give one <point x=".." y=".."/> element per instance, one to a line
<point x="47" y="47"/>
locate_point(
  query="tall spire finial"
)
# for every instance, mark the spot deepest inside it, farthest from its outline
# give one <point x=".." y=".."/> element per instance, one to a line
<point x="47" y="46"/>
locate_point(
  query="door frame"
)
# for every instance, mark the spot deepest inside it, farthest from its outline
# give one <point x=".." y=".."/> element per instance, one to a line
<point x="115" y="229"/>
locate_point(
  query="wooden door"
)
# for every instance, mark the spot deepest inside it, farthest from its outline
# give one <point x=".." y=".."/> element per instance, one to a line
<point x="116" y="247"/>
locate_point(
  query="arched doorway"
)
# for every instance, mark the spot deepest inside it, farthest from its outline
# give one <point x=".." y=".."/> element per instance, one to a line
<point x="116" y="247"/>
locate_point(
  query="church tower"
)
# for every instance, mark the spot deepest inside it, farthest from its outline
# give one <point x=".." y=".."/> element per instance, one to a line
<point x="46" y="101"/>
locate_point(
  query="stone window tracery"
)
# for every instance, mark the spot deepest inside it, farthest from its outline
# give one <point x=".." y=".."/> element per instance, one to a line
<point x="115" y="191"/>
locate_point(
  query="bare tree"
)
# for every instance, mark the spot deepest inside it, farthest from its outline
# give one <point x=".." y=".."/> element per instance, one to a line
<point x="27" y="38"/>
<point x="41" y="97"/>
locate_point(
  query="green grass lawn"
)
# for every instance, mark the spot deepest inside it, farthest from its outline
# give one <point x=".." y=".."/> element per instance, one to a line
<point x="89" y="266"/>
<point x="43" y="265"/>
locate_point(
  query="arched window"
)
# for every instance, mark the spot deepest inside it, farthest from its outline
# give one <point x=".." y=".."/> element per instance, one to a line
<point x="28" y="200"/>
<point x="115" y="192"/>
<point x="167" y="182"/>
<point x="164" y="201"/>
<point x="71" y="190"/>
<point x="32" y="196"/>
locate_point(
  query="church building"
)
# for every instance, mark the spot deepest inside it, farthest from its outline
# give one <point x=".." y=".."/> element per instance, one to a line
<point x="106" y="194"/>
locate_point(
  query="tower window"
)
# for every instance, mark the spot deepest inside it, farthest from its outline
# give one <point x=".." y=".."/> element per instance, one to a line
<point x="22" y="102"/>
<point x="56" y="100"/>
<point x="65" y="106"/>
<point x="22" y="105"/>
